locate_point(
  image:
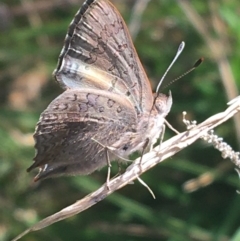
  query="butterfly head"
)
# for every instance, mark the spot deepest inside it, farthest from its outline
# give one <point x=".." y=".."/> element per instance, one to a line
<point x="162" y="103"/>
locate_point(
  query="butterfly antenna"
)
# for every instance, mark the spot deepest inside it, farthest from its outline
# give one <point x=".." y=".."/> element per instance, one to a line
<point x="197" y="63"/>
<point x="179" y="51"/>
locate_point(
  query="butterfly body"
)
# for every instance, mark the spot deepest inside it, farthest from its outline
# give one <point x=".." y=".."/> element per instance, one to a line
<point x="107" y="100"/>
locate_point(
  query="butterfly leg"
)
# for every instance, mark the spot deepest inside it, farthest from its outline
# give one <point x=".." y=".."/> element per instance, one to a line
<point x="109" y="167"/>
<point x="119" y="168"/>
<point x="106" y="150"/>
<point x="145" y="145"/>
<point x="140" y="163"/>
<point x="161" y="135"/>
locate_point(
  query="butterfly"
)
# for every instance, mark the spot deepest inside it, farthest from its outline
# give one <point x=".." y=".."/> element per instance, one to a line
<point x="107" y="102"/>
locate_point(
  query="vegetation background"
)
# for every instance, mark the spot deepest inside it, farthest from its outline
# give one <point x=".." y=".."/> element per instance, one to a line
<point x="32" y="34"/>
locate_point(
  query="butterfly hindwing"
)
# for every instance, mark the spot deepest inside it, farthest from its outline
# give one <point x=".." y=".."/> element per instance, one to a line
<point x="71" y="127"/>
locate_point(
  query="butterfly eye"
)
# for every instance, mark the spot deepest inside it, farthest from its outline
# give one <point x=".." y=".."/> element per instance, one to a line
<point x="125" y="147"/>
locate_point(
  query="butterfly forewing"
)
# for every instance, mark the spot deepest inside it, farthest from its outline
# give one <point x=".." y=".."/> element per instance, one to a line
<point x="99" y="54"/>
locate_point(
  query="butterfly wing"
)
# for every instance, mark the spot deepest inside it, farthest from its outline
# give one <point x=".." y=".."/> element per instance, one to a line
<point x="99" y="54"/>
<point x="71" y="128"/>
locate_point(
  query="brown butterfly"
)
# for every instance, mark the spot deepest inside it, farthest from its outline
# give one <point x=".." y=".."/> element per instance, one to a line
<point x="107" y="100"/>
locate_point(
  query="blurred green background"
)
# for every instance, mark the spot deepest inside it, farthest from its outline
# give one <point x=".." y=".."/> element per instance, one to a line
<point x="31" y="37"/>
